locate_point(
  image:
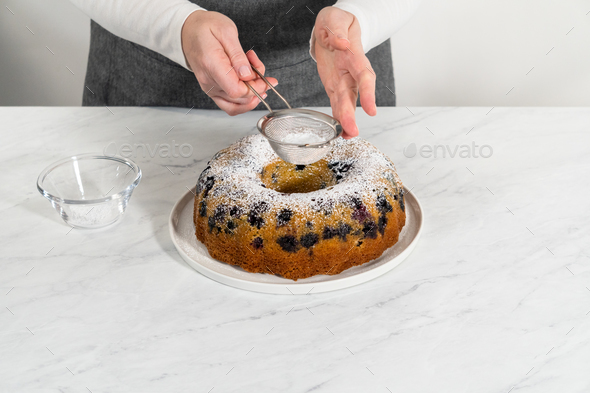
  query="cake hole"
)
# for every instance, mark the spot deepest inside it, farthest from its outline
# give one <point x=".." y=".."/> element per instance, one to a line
<point x="288" y="178"/>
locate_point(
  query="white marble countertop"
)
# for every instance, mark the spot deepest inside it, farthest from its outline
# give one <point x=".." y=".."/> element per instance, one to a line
<point x="495" y="297"/>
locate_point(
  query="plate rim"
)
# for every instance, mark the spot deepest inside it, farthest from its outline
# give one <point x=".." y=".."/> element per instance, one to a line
<point x="296" y="287"/>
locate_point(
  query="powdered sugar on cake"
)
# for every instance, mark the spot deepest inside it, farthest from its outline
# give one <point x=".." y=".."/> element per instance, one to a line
<point x="234" y="175"/>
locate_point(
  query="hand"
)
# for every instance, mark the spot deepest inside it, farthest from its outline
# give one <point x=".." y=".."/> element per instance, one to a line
<point x="343" y="67"/>
<point x="212" y="50"/>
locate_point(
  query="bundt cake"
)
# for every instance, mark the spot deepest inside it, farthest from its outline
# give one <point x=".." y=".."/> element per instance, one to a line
<point x="265" y="215"/>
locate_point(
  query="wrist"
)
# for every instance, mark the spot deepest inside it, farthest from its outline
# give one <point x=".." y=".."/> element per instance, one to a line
<point x="186" y="34"/>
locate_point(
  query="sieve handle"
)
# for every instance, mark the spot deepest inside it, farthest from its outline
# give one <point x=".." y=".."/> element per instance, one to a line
<point x="271" y="86"/>
<point x="259" y="97"/>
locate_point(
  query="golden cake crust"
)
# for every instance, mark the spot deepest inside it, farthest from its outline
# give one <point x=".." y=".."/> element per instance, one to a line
<point x="258" y="212"/>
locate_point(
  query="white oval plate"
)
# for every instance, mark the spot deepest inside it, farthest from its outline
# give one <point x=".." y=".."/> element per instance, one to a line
<point x="182" y="231"/>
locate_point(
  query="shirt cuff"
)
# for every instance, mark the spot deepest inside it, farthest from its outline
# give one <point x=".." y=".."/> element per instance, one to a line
<point x="312" y="45"/>
<point x="176" y="53"/>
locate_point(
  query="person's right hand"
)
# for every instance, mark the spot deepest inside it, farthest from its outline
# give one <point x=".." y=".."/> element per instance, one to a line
<point x="212" y="50"/>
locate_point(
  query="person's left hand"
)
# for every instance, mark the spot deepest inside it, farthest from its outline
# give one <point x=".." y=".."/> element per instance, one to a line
<point x="343" y="67"/>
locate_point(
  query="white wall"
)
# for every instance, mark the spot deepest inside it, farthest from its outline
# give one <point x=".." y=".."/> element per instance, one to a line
<point x="29" y="73"/>
<point x="454" y="52"/>
<point x="472" y="52"/>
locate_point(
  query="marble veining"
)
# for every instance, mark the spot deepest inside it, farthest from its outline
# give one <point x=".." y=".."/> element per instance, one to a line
<point x="495" y="298"/>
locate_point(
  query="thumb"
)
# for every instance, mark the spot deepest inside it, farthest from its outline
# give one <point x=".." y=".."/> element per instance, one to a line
<point x="337" y="38"/>
<point x="239" y="61"/>
<point x="335" y="24"/>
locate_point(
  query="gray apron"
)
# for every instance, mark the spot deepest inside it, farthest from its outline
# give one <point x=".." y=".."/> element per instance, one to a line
<point x="121" y="73"/>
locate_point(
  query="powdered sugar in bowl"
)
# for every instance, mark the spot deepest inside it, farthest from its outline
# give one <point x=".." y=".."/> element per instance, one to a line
<point x="88" y="190"/>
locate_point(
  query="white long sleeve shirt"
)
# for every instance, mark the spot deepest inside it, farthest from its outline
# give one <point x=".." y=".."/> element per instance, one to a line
<point x="157" y="24"/>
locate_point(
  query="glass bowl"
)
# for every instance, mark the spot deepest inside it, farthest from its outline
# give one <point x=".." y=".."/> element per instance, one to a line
<point x="88" y="190"/>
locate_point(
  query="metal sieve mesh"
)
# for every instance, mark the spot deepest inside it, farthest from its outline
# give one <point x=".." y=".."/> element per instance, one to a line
<point x="299" y="136"/>
<point x="283" y="128"/>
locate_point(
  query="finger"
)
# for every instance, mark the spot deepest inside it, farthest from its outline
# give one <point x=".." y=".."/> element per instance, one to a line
<point x="258" y="84"/>
<point x="219" y="66"/>
<point x="273" y="81"/>
<point x="255" y="61"/>
<point x="214" y="91"/>
<point x="235" y="109"/>
<point x="261" y="88"/>
<point x="238" y="101"/>
<point x="218" y="93"/>
<point x="337" y="38"/>
<point x="344" y="106"/>
<point x="362" y="72"/>
<point x="366" y="82"/>
<point x="234" y="89"/>
<point x="231" y="44"/>
<point x="335" y="24"/>
<point x="348" y="121"/>
<point x="221" y="71"/>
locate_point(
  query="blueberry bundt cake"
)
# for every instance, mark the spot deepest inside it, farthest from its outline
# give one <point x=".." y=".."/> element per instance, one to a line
<point x="256" y="211"/>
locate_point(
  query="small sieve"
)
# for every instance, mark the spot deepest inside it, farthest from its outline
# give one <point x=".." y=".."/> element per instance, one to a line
<point x="298" y="136"/>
